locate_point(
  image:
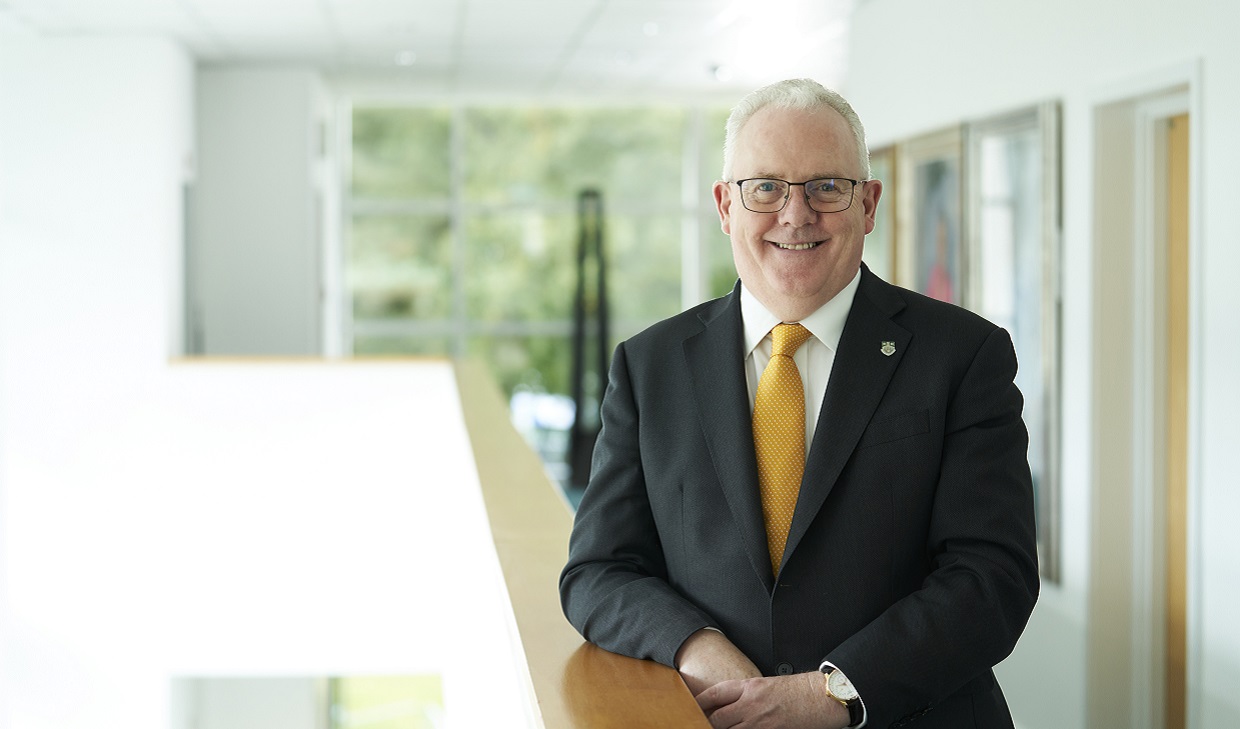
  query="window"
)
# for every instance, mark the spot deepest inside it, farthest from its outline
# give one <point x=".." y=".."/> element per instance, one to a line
<point x="461" y="228"/>
<point x="386" y="702"/>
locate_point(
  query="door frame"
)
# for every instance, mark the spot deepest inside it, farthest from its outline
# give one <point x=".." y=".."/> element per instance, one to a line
<point x="1132" y="301"/>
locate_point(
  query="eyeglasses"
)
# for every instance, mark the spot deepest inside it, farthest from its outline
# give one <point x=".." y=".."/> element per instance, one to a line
<point x="768" y="195"/>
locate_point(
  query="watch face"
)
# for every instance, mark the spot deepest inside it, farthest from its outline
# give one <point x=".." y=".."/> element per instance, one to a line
<point x="840" y="686"/>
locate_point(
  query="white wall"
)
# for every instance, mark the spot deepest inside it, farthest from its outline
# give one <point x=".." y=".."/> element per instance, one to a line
<point x="918" y="65"/>
<point x="94" y="141"/>
<point x="256" y="234"/>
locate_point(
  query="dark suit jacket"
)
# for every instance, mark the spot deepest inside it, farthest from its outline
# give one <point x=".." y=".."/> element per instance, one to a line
<point x="911" y="560"/>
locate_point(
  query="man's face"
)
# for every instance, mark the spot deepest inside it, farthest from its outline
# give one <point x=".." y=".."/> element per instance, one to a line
<point x="796" y="146"/>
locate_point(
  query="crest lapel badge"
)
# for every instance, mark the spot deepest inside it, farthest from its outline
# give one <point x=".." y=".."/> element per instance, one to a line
<point x="888" y="348"/>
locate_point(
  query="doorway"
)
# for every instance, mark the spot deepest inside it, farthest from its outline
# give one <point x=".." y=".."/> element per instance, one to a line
<point x="1139" y="598"/>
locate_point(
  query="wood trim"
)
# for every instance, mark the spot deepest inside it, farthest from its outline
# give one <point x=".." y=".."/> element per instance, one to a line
<point x="573" y="683"/>
<point x="1177" y="422"/>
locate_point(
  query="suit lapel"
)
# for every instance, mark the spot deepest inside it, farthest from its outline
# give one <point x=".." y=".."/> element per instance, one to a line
<point x="859" y="376"/>
<point x="715" y="357"/>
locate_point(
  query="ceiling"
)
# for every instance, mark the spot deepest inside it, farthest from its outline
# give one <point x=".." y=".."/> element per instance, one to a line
<point x="522" y="47"/>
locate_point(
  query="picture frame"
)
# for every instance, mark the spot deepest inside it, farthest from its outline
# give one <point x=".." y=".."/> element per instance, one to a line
<point x="1013" y="259"/>
<point x="879" y="253"/>
<point x="930" y="252"/>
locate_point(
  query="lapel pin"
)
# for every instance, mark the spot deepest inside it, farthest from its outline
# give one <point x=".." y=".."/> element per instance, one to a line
<point x="889" y="348"/>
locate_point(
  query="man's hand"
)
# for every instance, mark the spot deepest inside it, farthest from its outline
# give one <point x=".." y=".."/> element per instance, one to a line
<point x="787" y="702"/>
<point x="708" y="657"/>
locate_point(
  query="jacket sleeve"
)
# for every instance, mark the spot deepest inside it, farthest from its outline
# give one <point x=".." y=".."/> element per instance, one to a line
<point x="614" y="588"/>
<point x="983" y="575"/>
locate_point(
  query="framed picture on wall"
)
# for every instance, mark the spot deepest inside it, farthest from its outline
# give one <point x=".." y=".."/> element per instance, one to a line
<point x="1012" y="253"/>
<point x="880" y="245"/>
<point x="930" y="249"/>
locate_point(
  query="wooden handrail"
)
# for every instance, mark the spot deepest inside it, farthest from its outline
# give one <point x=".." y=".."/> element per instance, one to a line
<point x="575" y="684"/>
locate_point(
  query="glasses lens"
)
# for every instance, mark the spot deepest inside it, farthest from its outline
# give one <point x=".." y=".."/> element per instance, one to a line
<point x="829" y="195"/>
<point x="763" y="196"/>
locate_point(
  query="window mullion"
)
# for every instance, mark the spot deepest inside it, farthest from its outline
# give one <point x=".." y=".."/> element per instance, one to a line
<point x="692" y="267"/>
<point x="456" y="162"/>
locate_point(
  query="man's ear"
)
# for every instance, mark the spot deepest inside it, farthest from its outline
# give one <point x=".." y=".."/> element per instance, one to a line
<point x="723" y="205"/>
<point x="870" y="194"/>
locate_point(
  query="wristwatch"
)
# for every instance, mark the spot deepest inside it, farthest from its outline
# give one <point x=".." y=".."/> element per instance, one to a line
<point x="840" y="689"/>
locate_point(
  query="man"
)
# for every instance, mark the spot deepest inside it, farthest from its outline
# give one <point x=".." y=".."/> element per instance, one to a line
<point x="873" y="578"/>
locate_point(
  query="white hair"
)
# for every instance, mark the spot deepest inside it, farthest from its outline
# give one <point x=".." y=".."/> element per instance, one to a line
<point x="800" y="94"/>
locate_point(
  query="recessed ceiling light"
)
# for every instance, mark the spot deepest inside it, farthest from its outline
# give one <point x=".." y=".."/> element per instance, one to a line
<point x="721" y="72"/>
<point x="406" y="58"/>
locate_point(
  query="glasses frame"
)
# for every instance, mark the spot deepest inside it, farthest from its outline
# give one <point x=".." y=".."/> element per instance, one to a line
<point x="852" y="195"/>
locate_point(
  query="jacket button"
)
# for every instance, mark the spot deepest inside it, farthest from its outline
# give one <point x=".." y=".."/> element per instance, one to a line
<point x="785" y="669"/>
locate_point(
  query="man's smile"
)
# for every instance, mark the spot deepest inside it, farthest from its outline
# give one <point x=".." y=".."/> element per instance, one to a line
<point x="796" y="246"/>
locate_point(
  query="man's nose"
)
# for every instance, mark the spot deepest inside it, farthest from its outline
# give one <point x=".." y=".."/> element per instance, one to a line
<point x="797" y="211"/>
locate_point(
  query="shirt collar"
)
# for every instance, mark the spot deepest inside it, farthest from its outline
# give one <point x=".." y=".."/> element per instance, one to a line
<point x="826" y="324"/>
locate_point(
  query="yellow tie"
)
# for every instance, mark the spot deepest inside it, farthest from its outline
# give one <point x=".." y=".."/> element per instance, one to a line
<point x="779" y="437"/>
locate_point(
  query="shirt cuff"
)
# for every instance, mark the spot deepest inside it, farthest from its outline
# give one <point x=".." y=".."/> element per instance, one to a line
<point x="864" y="716"/>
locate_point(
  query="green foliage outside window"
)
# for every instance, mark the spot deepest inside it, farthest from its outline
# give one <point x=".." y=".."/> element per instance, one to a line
<point x="401" y="153"/>
<point x="521" y="266"/>
<point x="401" y="267"/>
<point x="524" y="156"/>
<point x="537" y="363"/>
<point x="386" y="702"/>
<point x="644" y="258"/>
<point x="720" y="272"/>
<point x="477" y="255"/>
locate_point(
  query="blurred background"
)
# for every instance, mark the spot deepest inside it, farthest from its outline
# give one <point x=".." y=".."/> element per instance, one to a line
<point x="366" y="181"/>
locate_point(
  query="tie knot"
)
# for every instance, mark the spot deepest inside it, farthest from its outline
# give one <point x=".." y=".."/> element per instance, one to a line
<point x="787" y="338"/>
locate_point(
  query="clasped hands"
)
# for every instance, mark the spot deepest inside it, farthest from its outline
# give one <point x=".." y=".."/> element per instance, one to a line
<point x="733" y="692"/>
